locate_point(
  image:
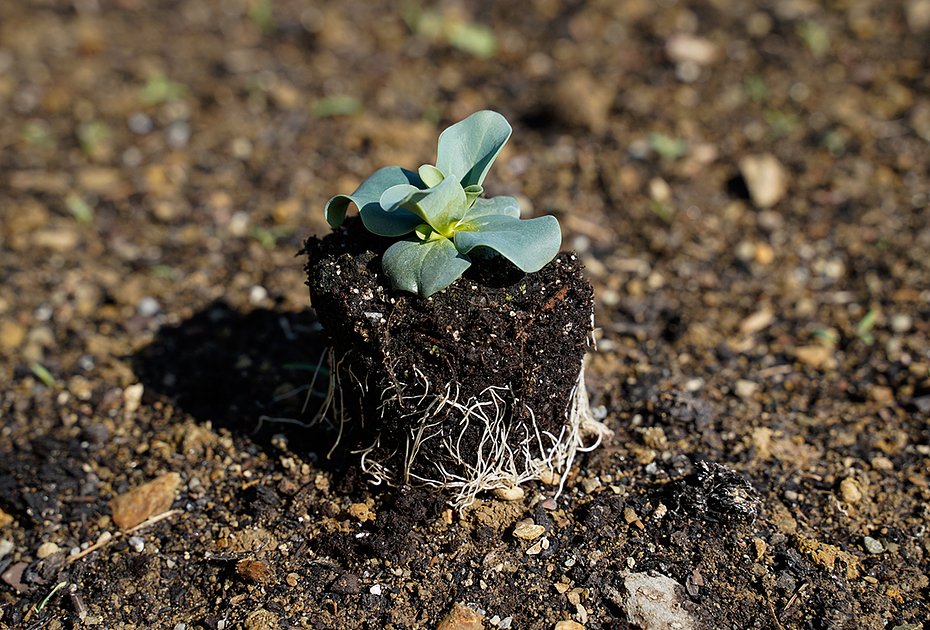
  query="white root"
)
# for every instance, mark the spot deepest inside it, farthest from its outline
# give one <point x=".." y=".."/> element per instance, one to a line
<point x="508" y="453"/>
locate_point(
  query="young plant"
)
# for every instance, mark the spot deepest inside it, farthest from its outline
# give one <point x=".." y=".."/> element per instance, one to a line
<point x="441" y="209"/>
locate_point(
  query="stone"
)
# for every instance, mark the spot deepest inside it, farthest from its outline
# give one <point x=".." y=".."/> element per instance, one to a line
<point x="528" y="530"/>
<point x="745" y="389"/>
<point x="683" y="47"/>
<point x="513" y="493"/>
<point x="11" y="337"/>
<point x="461" y="618"/>
<point x="850" y="491"/>
<point x="568" y="624"/>
<point x="254" y="571"/>
<point x="765" y="178"/>
<point x="816" y="356"/>
<point x="758" y="321"/>
<point x="47" y="549"/>
<point x="901" y="323"/>
<point x="652" y="601"/>
<point x="5" y="519"/>
<point x="872" y="545"/>
<point x="145" y="501"/>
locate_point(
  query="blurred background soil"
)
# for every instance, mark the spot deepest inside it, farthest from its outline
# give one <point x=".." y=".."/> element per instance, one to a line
<point x="746" y="182"/>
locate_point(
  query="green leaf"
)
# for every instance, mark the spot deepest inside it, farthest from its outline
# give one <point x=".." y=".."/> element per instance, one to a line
<point x="423" y="267"/>
<point x="472" y="193"/>
<point x="338" y="105"/>
<point x="474" y="39"/>
<point x="529" y="244"/>
<point x="502" y="206"/>
<point x="367" y="198"/>
<point x="430" y="175"/>
<point x="468" y="148"/>
<point x="441" y="206"/>
<point x="45" y="376"/>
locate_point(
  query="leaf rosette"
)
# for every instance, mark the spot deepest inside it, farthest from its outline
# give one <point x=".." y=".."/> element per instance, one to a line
<point x="441" y="212"/>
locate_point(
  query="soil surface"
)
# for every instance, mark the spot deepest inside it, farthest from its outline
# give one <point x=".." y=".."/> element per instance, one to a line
<point x="746" y="185"/>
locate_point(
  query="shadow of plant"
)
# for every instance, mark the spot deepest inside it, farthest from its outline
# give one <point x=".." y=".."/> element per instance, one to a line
<point x="249" y="373"/>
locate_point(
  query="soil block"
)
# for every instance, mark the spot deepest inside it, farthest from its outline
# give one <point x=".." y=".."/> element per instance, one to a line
<point x="477" y="387"/>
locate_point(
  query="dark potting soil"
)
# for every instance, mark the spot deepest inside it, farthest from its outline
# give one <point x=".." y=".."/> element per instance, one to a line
<point x="495" y="327"/>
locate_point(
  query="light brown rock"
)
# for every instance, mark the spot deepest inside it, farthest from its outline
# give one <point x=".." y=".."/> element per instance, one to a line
<point x="568" y="624"/>
<point x="760" y="320"/>
<point x="47" y="549"/>
<point x="528" y="530"/>
<point x="254" y="571"/>
<point x="850" y="490"/>
<point x="682" y="47"/>
<point x="816" y="356"/>
<point x="461" y="618"/>
<point x="11" y="335"/>
<point x="147" y="500"/>
<point x="765" y="178"/>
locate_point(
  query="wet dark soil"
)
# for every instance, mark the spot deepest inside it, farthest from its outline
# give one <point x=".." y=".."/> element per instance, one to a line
<point x="509" y="341"/>
<point x="745" y="184"/>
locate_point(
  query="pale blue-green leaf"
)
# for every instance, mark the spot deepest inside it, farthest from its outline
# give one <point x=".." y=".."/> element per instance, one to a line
<point x="472" y="193"/>
<point x="430" y="175"/>
<point x="367" y="198"/>
<point x="445" y="204"/>
<point x="437" y="206"/>
<point x="401" y="197"/>
<point x="529" y="244"/>
<point x="468" y="148"/>
<point x="441" y="206"/>
<point x="500" y="206"/>
<point x="423" y="267"/>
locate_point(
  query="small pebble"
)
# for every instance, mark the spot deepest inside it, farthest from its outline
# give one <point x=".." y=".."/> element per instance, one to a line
<point x="258" y="294"/>
<point x="47" y="549"/>
<point x="254" y="571"/>
<point x="140" y="123"/>
<point x="149" y="307"/>
<point x="850" y="491"/>
<point x="528" y="530"/>
<point x="375" y="590"/>
<point x="765" y="178"/>
<point x="901" y="323"/>
<point x="461" y="618"/>
<point x="872" y="546"/>
<point x="514" y="493"/>
<point x="136" y="543"/>
<point x="745" y="389"/>
<point x="178" y="134"/>
<point x="149" y="499"/>
<point x="537" y="549"/>
<point x="6" y="547"/>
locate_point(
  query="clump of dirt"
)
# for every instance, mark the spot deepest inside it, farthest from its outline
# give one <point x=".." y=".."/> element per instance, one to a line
<point x="472" y="388"/>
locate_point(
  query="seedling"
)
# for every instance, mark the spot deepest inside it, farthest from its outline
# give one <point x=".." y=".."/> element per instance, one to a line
<point x="466" y="391"/>
<point x="441" y="209"/>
